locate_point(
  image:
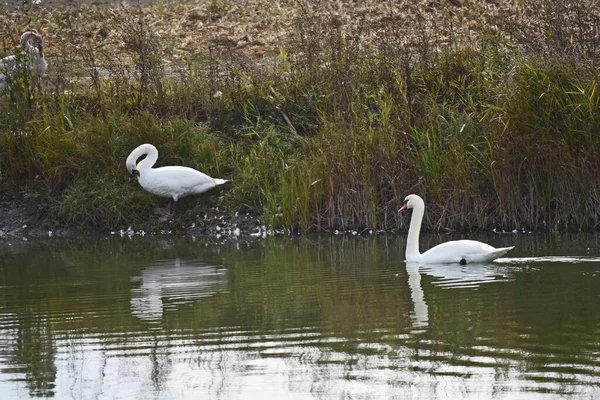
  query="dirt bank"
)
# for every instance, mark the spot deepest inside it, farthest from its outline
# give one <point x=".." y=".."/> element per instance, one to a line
<point x="261" y="27"/>
<point x="21" y="219"/>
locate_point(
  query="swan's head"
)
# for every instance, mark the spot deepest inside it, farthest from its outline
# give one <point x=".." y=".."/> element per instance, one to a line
<point x="132" y="166"/>
<point x="411" y="201"/>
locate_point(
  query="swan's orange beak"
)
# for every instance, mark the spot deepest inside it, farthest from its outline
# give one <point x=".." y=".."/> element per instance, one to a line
<point x="403" y="207"/>
<point x="135" y="172"/>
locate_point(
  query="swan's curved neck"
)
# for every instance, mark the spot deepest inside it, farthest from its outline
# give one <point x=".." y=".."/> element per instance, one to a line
<point x="414" y="230"/>
<point x="150" y="160"/>
<point x="26" y="41"/>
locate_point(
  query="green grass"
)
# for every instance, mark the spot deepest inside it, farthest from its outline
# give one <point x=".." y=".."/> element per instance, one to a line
<point x="489" y="134"/>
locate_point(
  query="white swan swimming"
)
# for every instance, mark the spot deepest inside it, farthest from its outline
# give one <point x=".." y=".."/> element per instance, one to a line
<point x="33" y="61"/>
<point x="173" y="181"/>
<point x="457" y="251"/>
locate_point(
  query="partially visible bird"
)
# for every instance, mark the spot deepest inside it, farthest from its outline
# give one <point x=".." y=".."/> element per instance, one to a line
<point x="32" y="63"/>
<point x="172" y="181"/>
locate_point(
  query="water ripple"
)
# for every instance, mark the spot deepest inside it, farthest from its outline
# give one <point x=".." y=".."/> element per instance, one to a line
<point x="548" y="259"/>
<point x="285" y="321"/>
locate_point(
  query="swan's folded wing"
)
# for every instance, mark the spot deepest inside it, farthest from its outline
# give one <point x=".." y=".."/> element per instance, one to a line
<point x="471" y="251"/>
<point x="183" y="180"/>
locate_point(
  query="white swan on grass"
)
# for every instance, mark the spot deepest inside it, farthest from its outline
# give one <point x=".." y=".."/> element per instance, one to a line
<point x="172" y="181"/>
<point x="457" y="251"/>
<point x="34" y="62"/>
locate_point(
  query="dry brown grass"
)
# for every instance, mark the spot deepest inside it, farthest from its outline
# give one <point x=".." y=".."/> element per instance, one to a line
<point x="257" y="28"/>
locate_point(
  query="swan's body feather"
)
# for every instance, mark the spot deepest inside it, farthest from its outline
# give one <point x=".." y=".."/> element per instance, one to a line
<point x="465" y="251"/>
<point x="172" y="181"/>
<point x="457" y="251"/>
<point x="7" y="68"/>
<point x="33" y="61"/>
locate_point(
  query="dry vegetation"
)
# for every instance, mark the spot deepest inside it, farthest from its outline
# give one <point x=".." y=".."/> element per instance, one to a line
<point x="258" y="28"/>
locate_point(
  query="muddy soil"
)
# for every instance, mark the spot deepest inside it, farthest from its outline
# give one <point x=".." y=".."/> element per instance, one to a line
<point x="21" y="219"/>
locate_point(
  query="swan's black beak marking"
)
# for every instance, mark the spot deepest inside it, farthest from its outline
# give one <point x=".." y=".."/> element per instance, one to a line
<point x="135" y="172"/>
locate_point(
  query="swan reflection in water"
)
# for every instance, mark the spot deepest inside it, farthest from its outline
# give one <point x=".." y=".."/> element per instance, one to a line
<point x="449" y="276"/>
<point x="169" y="283"/>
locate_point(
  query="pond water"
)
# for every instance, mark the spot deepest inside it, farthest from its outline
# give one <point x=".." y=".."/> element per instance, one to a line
<point x="297" y="318"/>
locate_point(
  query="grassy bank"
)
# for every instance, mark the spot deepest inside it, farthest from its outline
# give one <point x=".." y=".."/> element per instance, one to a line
<point x="495" y="122"/>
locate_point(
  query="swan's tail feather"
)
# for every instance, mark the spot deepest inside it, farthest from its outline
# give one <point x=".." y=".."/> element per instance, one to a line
<point x="502" y="251"/>
<point x="220" y="181"/>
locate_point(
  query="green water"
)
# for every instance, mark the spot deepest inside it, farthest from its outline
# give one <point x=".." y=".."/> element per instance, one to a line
<point x="302" y="318"/>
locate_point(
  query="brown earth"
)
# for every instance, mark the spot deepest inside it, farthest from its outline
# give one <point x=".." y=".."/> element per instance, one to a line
<point x="260" y="27"/>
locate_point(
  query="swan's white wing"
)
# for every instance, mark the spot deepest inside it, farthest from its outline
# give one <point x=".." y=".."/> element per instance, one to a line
<point x="468" y="250"/>
<point x="176" y="182"/>
<point x="7" y="65"/>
